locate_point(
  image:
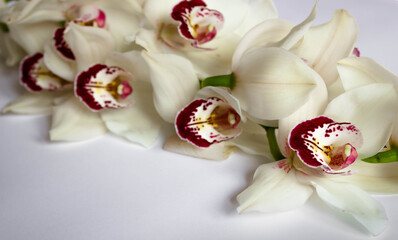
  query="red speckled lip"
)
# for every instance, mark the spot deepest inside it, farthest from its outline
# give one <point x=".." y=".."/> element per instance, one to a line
<point x="99" y="87"/>
<point x="197" y="22"/>
<point x="180" y="12"/>
<point x="202" y="123"/>
<point x="35" y="76"/>
<point x="27" y="69"/>
<point x="321" y="142"/>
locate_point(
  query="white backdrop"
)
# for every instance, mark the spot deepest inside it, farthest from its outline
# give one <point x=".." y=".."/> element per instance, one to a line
<point x="110" y="189"/>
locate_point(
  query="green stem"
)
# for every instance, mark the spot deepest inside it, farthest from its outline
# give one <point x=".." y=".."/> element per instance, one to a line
<point x="273" y="144"/>
<point x="219" y="81"/>
<point x="384" y="157"/>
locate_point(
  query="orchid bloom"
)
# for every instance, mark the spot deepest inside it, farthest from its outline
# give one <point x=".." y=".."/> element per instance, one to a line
<point x="26" y="26"/>
<point x="323" y="154"/>
<point x="203" y="31"/>
<point x="276" y="53"/>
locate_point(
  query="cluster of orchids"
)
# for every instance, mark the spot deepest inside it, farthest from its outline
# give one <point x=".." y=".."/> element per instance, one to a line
<point x="228" y="74"/>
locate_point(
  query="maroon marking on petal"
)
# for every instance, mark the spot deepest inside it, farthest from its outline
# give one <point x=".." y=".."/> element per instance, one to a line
<point x="28" y="66"/>
<point x="61" y="45"/>
<point x="304" y="130"/>
<point x="356" y="52"/>
<point x="80" y="86"/>
<point x="181" y="12"/>
<point x="182" y="122"/>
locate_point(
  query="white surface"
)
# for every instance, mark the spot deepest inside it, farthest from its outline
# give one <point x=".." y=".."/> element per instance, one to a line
<point x="110" y="189"/>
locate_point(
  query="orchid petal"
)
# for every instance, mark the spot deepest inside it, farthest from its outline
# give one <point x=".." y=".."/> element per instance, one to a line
<point x="394" y="134"/>
<point x="274" y="188"/>
<point x="116" y="17"/>
<point x="132" y="62"/>
<point x="217" y="152"/>
<point x="352" y="200"/>
<point x="57" y="64"/>
<point x="372" y="109"/>
<point x="89" y="45"/>
<point x="32" y="103"/>
<point x="270" y="77"/>
<point x="314" y="107"/>
<point x="262" y="35"/>
<point x="10" y="50"/>
<point x="174" y="83"/>
<point x="297" y="32"/>
<point x="257" y="12"/>
<point x="32" y="36"/>
<point x="252" y="140"/>
<point x="323" y="46"/>
<point x="72" y="121"/>
<point x="138" y="123"/>
<point x="360" y="71"/>
<point x="381" y="178"/>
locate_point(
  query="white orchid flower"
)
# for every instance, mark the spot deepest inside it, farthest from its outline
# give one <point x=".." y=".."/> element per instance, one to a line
<point x="275" y="53"/>
<point x="320" y="153"/>
<point x="204" y="31"/>
<point x="212" y="126"/>
<point x="31" y="23"/>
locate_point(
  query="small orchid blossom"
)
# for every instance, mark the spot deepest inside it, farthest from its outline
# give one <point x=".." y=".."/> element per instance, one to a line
<point x="212" y="125"/>
<point x="322" y="155"/>
<point x="203" y="31"/>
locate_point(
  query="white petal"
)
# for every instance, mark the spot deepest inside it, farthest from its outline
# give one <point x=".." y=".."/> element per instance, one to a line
<point x="32" y="103"/>
<point x="258" y="11"/>
<point x="262" y="35"/>
<point x="352" y="200"/>
<point x="117" y="15"/>
<point x="274" y="189"/>
<point x="57" y="64"/>
<point x="323" y="46"/>
<point x="381" y="178"/>
<point x="312" y="108"/>
<point x="31" y="37"/>
<point x="174" y="83"/>
<point x="72" y="121"/>
<point x="90" y="45"/>
<point x="10" y="50"/>
<point x="372" y="109"/>
<point x="272" y="83"/>
<point x="222" y="93"/>
<point x="215" y="152"/>
<point x="132" y="62"/>
<point x="297" y="32"/>
<point x="394" y="135"/>
<point x="360" y="71"/>
<point x="138" y="123"/>
<point x="252" y="140"/>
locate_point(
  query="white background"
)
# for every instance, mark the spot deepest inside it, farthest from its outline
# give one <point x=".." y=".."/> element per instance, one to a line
<point x="110" y="189"/>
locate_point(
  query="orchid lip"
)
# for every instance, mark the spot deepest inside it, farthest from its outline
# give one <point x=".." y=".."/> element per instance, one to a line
<point x="36" y="77"/>
<point x="323" y="143"/>
<point x="197" y="23"/>
<point x="61" y="45"/>
<point x="104" y="87"/>
<point x="207" y="121"/>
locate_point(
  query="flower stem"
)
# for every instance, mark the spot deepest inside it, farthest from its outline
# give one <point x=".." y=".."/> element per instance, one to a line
<point x="384" y="157"/>
<point x="219" y="81"/>
<point x="273" y="144"/>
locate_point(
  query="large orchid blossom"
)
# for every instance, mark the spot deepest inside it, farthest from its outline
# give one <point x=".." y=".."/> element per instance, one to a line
<point x="320" y="152"/>
<point x="204" y="31"/>
<point x="275" y="53"/>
